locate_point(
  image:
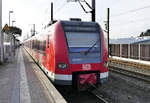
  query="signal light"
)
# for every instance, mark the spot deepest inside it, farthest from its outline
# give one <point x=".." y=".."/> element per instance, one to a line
<point x="105" y="64"/>
<point x="62" y="65"/>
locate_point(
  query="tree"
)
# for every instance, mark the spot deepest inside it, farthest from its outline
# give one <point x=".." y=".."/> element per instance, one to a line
<point x="147" y="33"/>
<point x="142" y="34"/>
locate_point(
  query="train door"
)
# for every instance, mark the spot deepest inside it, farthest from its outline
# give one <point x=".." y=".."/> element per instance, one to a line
<point x="43" y="52"/>
<point x="47" y="52"/>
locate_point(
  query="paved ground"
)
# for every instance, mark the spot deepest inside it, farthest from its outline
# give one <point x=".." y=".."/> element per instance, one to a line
<point x="18" y="82"/>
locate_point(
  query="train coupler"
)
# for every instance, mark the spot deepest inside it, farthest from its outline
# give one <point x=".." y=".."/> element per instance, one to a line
<point x="86" y="80"/>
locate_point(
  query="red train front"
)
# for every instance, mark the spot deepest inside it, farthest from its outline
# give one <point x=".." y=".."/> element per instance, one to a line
<point x="71" y="53"/>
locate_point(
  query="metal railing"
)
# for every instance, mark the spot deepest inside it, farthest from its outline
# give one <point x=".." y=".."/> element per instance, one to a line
<point x="133" y="51"/>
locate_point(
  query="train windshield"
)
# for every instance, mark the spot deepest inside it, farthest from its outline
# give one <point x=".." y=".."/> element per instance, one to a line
<point x="83" y="42"/>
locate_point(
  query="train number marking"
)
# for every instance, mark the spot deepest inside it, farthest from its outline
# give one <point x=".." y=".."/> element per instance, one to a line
<point x="86" y="66"/>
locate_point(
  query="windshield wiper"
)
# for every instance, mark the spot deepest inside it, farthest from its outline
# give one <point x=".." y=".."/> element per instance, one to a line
<point x="90" y="48"/>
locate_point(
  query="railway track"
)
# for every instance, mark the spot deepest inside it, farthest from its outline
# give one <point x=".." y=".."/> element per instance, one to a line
<point x="129" y="73"/>
<point x="97" y="95"/>
<point x="101" y="99"/>
<point x="91" y="95"/>
<point x="135" y="63"/>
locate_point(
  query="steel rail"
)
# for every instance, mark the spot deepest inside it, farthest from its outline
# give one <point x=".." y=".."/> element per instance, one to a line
<point x="96" y="95"/>
<point x="129" y="73"/>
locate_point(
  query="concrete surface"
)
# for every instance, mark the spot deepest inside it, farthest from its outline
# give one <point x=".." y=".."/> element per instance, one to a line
<point x="21" y="81"/>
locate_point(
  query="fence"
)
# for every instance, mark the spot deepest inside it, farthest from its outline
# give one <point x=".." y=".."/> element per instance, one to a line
<point x="133" y="51"/>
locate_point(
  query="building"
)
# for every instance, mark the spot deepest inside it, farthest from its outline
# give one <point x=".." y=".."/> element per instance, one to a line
<point x="134" y="48"/>
<point x="9" y="41"/>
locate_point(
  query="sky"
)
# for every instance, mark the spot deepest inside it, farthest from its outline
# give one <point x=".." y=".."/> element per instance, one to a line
<point x="128" y="18"/>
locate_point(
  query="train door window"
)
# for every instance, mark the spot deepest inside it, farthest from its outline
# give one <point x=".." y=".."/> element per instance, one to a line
<point x="48" y="42"/>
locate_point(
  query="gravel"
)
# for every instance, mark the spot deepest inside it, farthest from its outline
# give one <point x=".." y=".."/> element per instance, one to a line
<point x="123" y="89"/>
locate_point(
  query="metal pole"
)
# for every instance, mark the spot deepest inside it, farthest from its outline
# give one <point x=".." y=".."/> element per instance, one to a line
<point x="51" y="11"/>
<point x="139" y="55"/>
<point x="129" y="50"/>
<point x="93" y="10"/>
<point x="9" y="16"/>
<point x="1" y="35"/>
<point x="108" y="11"/>
<point x="13" y="22"/>
<point x="33" y="29"/>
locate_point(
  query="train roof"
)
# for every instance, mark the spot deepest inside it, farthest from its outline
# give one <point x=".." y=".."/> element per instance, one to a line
<point x="80" y="26"/>
<point x="77" y="23"/>
<point x="87" y="26"/>
<point x="74" y="23"/>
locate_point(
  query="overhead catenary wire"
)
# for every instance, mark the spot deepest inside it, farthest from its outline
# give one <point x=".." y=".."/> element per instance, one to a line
<point x="55" y="12"/>
<point x="55" y="1"/>
<point x="88" y="5"/>
<point x="131" y="11"/>
<point x="132" y="21"/>
<point x="60" y="8"/>
<point x="83" y="7"/>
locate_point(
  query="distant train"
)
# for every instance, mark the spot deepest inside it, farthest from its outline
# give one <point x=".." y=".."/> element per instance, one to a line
<point x="71" y="53"/>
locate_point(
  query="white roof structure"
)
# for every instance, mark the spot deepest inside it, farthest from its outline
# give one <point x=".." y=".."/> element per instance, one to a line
<point x="131" y="40"/>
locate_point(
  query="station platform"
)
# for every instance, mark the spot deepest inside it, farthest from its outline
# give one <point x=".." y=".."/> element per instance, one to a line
<point x="22" y="81"/>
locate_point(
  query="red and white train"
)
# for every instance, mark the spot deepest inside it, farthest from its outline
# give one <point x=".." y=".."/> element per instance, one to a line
<point x="71" y="53"/>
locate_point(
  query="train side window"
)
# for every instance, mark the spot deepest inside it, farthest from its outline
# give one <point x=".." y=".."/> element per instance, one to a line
<point x="35" y="45"/>
<point x="41" y="45"/>
<point x="32" y="44"/>
<point x="44" y="43"/>
<point x="44" y="47"/>
<point x="38" y="45"/>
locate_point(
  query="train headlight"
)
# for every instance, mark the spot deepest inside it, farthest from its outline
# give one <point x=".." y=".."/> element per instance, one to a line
<point x="62" y="65"/>
<point x="105" y="64"/>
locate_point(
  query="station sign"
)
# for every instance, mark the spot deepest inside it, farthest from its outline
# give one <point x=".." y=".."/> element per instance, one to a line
<point x="6" y="27"/>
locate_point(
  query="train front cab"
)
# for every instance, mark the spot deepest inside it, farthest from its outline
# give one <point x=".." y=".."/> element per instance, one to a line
<point x="79" y="49"/>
